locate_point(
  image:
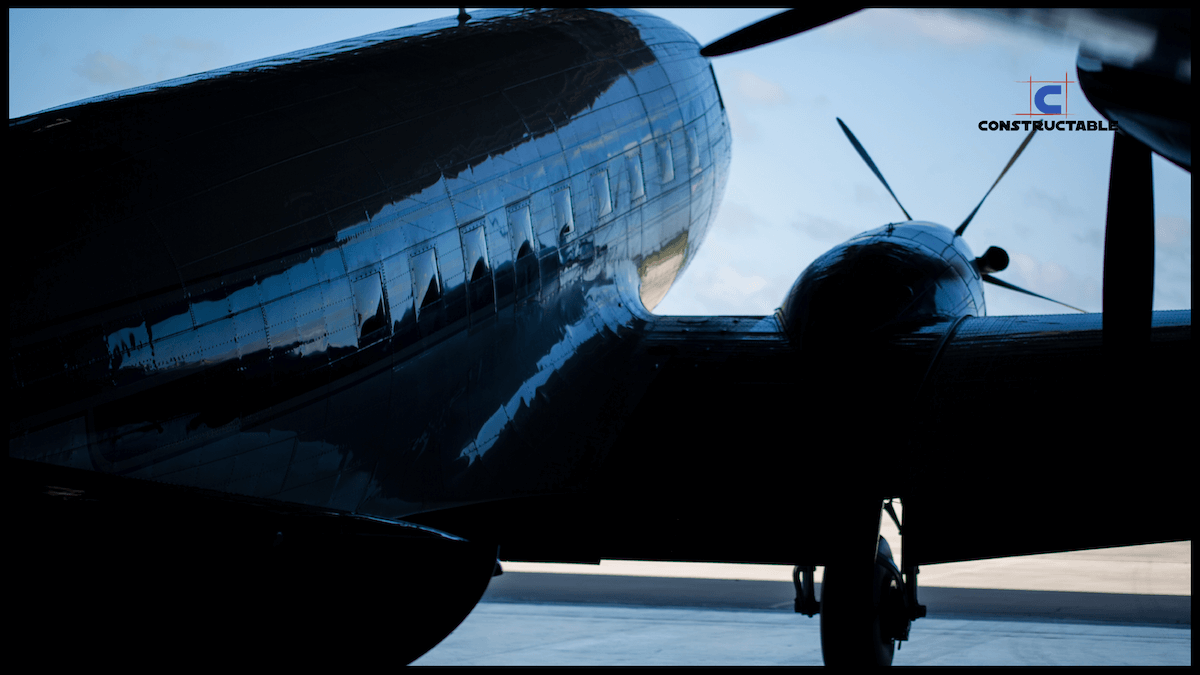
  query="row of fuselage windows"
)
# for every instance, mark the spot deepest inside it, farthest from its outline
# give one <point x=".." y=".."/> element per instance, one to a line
<point x="367" y="286"/>
<point x="367" y="291"/>
<point x="427" y="284"/>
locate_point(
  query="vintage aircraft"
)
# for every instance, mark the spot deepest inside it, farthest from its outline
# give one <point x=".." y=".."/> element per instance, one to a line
<point x="308" y="338"/>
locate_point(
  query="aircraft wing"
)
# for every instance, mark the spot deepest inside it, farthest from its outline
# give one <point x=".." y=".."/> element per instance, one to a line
<point x="1032" y="430"/>
<point x="740" y="451"/>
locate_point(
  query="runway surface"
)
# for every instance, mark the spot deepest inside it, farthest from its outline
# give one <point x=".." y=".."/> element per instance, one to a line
<point x="639" y="613"/>
<point x="577" y="635"/>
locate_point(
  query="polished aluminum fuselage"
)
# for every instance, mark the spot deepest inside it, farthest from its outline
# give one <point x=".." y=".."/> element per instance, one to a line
<point x="365" y="277"/>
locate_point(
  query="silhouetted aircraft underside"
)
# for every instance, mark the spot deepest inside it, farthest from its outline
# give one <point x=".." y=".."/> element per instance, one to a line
<point x="299" y="343"/>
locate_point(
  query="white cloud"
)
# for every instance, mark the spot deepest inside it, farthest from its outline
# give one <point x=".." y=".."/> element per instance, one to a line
<point x="740" y="126"/>
<point x="1172" y="263"/>
<point x="1174" y="232"/>
<point x="824" y="229"/>
<point x="736" y="217"/>
<point x="871" y="194"/>
<point x="1051" y="280"/>
<point x="754" y="88"/>
<point x="732" y="281"/>
<point x="918" y="28"/>
<point x="104" y="68"/>
<point x="1059" y="206"/>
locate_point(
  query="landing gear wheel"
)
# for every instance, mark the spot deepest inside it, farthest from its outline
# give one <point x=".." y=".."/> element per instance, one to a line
<point x="858" y="612"/>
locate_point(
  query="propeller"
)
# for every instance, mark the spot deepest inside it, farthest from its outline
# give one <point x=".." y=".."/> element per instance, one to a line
<point x="995" y="259"/>
<point x="1126" y="190"/>
<point x="963" y="228"/>
<point x="772" y="28"/>
<point x="1129" y="246"/>
<point x="862" y="152"/>
<point x="1004" y="284"/>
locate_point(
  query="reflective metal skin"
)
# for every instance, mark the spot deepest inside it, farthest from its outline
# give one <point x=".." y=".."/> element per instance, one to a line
<point x="912" y="272"/>
<point x="340" y="278"/>
<point x="287" y="324"/>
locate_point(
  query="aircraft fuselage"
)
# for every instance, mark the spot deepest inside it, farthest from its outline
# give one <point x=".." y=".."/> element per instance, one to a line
<point x="349" y="277"/>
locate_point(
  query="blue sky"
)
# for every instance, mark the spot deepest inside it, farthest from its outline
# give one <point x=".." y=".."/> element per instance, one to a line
<point x="912" y="85"/>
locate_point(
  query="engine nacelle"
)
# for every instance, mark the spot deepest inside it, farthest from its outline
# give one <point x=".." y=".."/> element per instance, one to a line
<point x="900" y="274"/>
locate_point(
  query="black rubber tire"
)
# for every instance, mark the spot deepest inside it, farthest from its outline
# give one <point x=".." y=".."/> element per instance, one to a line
<point x="851" y="629"/>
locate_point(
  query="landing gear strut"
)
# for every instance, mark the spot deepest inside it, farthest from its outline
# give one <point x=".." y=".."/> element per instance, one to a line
<point x="863" y="611"/>
<point x="865" y="607"/>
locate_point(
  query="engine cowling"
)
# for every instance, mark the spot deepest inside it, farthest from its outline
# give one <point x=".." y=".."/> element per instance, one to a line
<point x="899" y="275"/>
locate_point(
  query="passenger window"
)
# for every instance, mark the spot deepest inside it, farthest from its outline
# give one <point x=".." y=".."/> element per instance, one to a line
<point x="521" y="228"/>
<point x="637" y="186"/>
<point x="427" y="285"/>
<point x="603" y="194"/>
<point x="668" y="161"/>
<point x="693" y="150"/>
<point x="481" y="292"/>
<point x="526" y="274"/>
<point x="369" y="308"/>
<point x="475" y="251"/>
<point x="563" y="217"/>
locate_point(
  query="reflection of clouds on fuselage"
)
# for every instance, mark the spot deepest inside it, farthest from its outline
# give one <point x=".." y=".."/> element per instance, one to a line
<point x="289" y="285"/>
<point x="503" y="130"/>
<point x="574" y="335"/>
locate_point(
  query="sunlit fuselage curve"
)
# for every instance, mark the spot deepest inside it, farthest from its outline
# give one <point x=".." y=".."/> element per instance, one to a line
<point x="384" y="276"/>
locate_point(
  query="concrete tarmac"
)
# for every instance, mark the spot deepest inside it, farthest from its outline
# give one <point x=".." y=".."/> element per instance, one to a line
<point x="577" y="635"/>
<point x="1079" y="608"/>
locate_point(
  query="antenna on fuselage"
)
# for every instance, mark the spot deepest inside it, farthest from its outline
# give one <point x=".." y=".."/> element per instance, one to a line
<point x="463" y="17"/>
<point x="862" y="152"/>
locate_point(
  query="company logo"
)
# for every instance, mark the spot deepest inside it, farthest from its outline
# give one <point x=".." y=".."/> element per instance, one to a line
<point x="1054" y="88"/>
<point x="1047" y="99"/>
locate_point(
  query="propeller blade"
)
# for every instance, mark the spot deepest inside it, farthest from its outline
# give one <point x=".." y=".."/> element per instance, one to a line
<point x="1004" y="284"/>
<point x="862" y="152"/>
<point x="1129" y="246"/>
<point x="772" y="28"/>
<point x="963" y="228"/>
